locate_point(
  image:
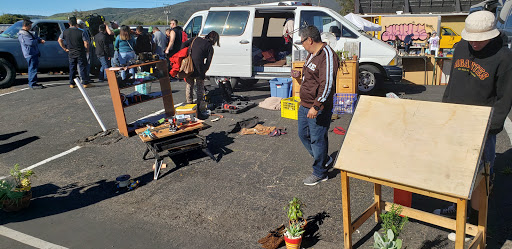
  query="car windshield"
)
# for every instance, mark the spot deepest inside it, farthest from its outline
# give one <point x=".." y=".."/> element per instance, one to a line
<point x="12" y="31"/>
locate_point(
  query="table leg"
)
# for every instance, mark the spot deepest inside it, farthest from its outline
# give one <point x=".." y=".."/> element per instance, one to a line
<point x="482" y="210"/>
<point x="377" y="198"/>
<point x="460" y="232"/>
<point x="347" y="221"/>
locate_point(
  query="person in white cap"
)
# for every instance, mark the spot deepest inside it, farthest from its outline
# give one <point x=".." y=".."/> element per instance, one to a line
<point x="481" y="74"/>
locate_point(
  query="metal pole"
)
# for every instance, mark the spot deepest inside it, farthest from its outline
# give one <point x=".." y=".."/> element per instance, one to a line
<point x="82" y="90"/>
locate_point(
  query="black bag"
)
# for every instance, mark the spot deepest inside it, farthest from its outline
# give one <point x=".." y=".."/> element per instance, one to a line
<point x="93" y="22"/>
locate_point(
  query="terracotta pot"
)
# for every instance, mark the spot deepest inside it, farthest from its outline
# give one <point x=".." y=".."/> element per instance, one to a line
<point x="292" y="243"/>
<point x="13" y="206"/>
<point x="354" y="57"/>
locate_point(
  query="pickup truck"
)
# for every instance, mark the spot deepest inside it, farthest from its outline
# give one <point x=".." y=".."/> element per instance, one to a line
<point x="52" y="55"/>
<point x="502" y="9"/>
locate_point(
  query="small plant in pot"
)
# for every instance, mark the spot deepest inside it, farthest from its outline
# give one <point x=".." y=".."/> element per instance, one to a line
<point x="15" y="192"/>
<point x="297" y="224"/>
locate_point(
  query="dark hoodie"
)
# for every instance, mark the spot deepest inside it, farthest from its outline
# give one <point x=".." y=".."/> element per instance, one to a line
<point x="482" y="78"/>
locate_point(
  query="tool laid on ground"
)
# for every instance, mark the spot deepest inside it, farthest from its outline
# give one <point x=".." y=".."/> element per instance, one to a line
<point x="235" y="107"/>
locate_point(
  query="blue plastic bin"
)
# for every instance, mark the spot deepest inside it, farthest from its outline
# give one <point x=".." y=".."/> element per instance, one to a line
<point x="281" y="87"/>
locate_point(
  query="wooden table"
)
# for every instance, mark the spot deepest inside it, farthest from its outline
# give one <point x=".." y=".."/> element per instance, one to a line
<point x="427" y="148"/>
<point x="185" y="139"/>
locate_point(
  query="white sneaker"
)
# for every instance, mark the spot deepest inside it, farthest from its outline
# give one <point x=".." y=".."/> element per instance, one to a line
<point x="451" y="236"/>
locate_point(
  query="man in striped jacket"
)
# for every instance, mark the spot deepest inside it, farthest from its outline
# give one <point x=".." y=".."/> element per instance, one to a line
<point x="316" y="95"/>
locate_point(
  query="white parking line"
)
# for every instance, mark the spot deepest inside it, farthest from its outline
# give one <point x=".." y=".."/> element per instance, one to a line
<point x="23" y="89"/>
<point x="47" y="160"/>
<point x="27" y="239"/>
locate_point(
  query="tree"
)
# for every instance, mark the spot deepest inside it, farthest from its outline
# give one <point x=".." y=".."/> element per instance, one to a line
<point x="10" y="18"/>
<point x="347" y="6"/>
<point x="79" y="14"/>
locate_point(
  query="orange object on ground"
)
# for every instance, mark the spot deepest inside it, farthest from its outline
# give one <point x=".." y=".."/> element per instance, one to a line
<point x="401" y="197"/>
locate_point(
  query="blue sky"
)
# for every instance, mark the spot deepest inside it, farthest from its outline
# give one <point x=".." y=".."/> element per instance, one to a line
<point x="50" y="7"/>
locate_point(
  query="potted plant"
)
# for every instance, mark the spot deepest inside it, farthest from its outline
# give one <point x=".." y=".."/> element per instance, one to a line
<point x="392" y="225"/>
<point x="15" y="192"/>
<point x="297" y="224"/>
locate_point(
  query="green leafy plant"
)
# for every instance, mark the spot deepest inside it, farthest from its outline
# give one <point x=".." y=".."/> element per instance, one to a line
<point x="22" y="178"/>
<point x="387" y="241"/>
<point x="392" y="220"/>
<point x="296" y="222"/>
<point x="294" y="211"/>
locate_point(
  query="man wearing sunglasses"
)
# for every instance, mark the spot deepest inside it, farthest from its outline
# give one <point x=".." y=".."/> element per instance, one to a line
<point x="316" y="101"/>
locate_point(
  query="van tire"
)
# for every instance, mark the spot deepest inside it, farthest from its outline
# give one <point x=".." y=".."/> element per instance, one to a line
<point x="7" y="73"/>
<point x="370" y="79"/>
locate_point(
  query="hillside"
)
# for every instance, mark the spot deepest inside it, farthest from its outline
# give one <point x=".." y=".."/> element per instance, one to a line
<point x="180" y="11"/>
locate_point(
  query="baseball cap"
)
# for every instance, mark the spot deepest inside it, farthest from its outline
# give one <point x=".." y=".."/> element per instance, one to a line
<point x="80" y="22"/>
<point x="480" y="26"/>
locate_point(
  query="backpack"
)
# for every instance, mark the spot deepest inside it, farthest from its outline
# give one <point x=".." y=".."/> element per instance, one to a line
<point x="184" y="36"/>
<point x="93" y="22"/>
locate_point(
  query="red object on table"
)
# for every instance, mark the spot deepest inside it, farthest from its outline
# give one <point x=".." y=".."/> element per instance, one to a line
<point x="402" y="197"/>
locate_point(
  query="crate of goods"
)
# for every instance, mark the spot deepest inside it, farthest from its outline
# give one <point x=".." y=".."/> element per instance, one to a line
<point x="344" y="103"/>
<point x="290" y="108"/>
<point x="280" y="87"/>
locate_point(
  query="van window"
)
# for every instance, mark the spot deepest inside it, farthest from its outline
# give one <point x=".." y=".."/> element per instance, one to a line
<point x="275" y="27"/>
<point x="257" y="29"/>
<point x="47" y="31"/>
<point x="448" y="32"/>
<point x="194" y="27"/>
<point x="226" y="22"/>
<point x="323" y="21"/>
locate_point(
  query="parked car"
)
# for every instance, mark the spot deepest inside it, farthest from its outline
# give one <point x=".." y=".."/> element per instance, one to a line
<point x="246" y="29"/>
<point x="52" y="55"/>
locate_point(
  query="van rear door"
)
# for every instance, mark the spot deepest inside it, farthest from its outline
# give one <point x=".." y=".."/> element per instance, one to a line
<point x="235" y="27"/>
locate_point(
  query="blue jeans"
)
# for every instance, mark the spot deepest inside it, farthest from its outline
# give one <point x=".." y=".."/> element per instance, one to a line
<point x="104" y="66"/>
<point x="33" y="63"/>
<point x="489" y="154"/>
<point x="124" y="58"/>
<point x="81" y="61"/>
<point x="313" y="134"/>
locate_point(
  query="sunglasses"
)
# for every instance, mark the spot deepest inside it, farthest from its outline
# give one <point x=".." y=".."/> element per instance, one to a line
<point x="302" y="41"/>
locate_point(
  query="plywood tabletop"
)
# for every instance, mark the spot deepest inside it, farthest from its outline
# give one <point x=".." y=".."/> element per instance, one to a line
<point x="427" y="145"/>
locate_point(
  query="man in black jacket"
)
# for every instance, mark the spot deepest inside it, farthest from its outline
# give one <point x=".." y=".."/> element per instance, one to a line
<point x="103" y="41"/>
<point x="481" y="74"/>
<point x="77" y="45"/>
<point x="144" y="43"/>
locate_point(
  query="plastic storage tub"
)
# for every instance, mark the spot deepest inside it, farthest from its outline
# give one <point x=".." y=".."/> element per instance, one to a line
<point x="281" y="87"/>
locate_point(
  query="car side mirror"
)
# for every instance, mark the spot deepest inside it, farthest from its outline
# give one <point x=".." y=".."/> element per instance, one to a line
<point x="505" y="11"/>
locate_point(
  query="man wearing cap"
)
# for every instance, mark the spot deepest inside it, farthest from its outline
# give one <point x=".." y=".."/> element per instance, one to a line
<point x="29" y="43"/>
<point x="481" y="74"/>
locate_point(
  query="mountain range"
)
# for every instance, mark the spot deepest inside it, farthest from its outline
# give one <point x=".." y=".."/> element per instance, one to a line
<point x="180" y="11"/>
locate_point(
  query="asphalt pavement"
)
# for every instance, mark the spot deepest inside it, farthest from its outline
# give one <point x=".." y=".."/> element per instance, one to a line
<point x="197" y="202"/>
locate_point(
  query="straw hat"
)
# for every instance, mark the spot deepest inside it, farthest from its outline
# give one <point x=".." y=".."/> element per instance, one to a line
<point x="480" y="26"/>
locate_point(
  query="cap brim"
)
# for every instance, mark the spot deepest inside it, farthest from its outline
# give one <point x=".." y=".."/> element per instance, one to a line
<point x="482" y="36"/>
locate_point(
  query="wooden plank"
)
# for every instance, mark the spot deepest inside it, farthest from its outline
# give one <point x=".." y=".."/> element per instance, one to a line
<point x="476" y="243"/>
<point x="364" y="217"/>
<point x="433" y="219"/>
<point x="483" y="205"/>
<point x="116" y="101"/>
<point x="406" y="188"/>
<point x="345" y="202"/>
<point x="165" y="87"/>
<point x="377" y="197"/>
<point x="426" y="145"/>
<point x="460" y="228"/>
<point x="163" y="131"/>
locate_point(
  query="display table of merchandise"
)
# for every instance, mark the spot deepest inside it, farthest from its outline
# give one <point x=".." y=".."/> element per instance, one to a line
<point x="186" y="138"/>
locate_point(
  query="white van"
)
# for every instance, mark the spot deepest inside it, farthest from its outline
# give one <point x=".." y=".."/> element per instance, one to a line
<point x="244" y="30"/>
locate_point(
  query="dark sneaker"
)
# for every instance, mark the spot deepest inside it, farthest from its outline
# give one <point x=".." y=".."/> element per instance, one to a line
<point x="37" y="87"/>
<point x="329" y="163"/>
<point x="314" y="180"/>
<point x="450" y="212"/>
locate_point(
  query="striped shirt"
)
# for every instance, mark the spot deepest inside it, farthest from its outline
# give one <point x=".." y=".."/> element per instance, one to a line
<point x="319" y="79"/>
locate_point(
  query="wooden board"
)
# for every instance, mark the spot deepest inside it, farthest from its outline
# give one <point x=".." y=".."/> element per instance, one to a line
<point x="427" y="145"/>
<point x="163" y="131"/>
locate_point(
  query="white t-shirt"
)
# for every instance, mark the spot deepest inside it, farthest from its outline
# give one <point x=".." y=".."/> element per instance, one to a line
<point x="433" y="42"/>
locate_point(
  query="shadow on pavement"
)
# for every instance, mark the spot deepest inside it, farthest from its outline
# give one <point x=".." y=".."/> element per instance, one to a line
<point x="438" y="242"/>
<point x="311" y="236"/>
<point x="8" y="147"/>
<point x="367" y="237"/>
<point x="9" y="135"/>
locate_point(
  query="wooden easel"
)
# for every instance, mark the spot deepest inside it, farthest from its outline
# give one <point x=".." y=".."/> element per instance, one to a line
<point x="438" y="146"/>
